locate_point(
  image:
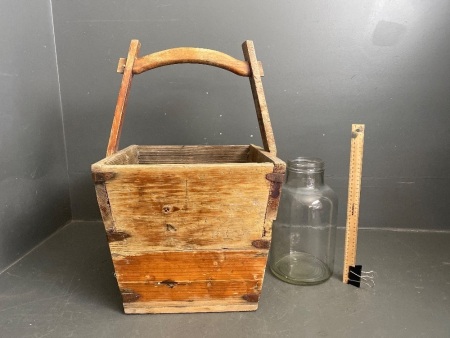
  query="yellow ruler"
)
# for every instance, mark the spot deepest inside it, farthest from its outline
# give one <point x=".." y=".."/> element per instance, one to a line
<point x="354" y="193"/>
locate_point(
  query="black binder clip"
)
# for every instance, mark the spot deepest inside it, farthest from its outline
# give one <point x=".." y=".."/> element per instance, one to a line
<point x="356" y="276"/>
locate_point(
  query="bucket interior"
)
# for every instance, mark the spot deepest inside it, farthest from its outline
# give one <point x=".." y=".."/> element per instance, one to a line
<point x="187" y="155"/>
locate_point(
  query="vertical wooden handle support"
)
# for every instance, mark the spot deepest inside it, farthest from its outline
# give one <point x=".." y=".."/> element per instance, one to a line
<point x="259" y="98"/>
<point x="119" y="113"/>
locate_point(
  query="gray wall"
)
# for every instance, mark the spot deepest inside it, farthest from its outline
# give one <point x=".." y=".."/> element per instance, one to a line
<point x="34" y="195"/>
<point x="327" y="65"/>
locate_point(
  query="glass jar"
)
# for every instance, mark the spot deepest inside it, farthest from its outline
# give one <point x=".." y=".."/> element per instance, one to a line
<point x="304" y="233"/>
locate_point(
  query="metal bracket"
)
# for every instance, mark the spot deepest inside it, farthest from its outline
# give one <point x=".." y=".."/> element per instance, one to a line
<point x="102" y="177"/>
<point x="277" y="180"/>
<point x="275" y="177"/>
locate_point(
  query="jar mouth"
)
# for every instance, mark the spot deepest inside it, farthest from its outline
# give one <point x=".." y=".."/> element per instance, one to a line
<point x="306" y="164"/>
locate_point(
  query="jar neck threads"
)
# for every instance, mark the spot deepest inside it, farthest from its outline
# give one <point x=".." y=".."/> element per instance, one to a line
<point x="305" y="172"/>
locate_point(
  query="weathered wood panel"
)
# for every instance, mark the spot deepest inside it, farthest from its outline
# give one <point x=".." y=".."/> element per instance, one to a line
<point x="188" y="207"/>
<point x="189" y="266"/>
<point x="241" y="291"/>
<point x="213" y="305"/>
<point x="192" y="154"/>
<point x="191" y="280"/>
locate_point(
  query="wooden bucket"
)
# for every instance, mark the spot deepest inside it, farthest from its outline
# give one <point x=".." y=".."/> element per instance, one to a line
<point x="189" y="227"/>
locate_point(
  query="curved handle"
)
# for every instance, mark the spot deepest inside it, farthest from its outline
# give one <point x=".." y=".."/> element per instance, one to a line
<point x="188" y="55"/>
<point x="135" y="65"/>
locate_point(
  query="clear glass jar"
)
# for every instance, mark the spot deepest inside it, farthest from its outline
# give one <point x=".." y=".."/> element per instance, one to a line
<point x="304" y="233"/>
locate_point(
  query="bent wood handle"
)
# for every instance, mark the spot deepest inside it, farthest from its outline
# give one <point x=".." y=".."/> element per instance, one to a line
<point x="188" y="55"/>
<point x="135" y="65"/>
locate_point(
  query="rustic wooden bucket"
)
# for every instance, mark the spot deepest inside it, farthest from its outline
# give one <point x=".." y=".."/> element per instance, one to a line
<point x="189" y="227"/>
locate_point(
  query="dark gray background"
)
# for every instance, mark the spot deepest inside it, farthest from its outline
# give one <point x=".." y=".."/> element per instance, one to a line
<point x="34" y="187"/>
<point x="327" y="65"/>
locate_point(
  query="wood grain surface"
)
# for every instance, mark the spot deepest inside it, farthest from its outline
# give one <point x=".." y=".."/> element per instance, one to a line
<point x="189" y="55"/>
<point x="189" y="227"/>
<point x="188" y="230"/>
<point x="189" y="207"/>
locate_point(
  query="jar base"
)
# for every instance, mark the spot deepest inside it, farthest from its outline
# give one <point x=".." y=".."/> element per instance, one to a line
<point x="301" y="268"/>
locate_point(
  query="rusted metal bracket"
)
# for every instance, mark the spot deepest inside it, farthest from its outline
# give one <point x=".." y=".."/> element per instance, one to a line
<point x="277" y="180"/>
<point x="275" y="177"/>
<point x="116" y="236"/>
<point x="251" y="297"/>
<point x="102" y="177"/>
<point x="129" y="295"/>
<point x="261" y="244"/>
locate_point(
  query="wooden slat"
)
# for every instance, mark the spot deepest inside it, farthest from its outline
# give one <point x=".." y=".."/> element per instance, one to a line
<point x="259" y="99"/>
<point x="180" y="155"/>
<point x="186" y="207"/>
<point x="185" y="231"/>
<point x="128" y="155"/>
<point x="190" y="280"/>
<point x="212" y="305"/>
<point x="192" y="154"/>
<point x="122" y="99"/>
<point x="196" y="154"/>
<point x="188" y="266"/>
<point x="195" y="290"/>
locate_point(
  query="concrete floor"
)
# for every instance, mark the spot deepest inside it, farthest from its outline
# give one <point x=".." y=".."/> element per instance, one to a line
<point x="66" y="288"/>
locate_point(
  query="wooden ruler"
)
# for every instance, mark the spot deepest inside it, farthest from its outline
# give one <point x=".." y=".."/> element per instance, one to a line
<point x="354" y="193"/>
